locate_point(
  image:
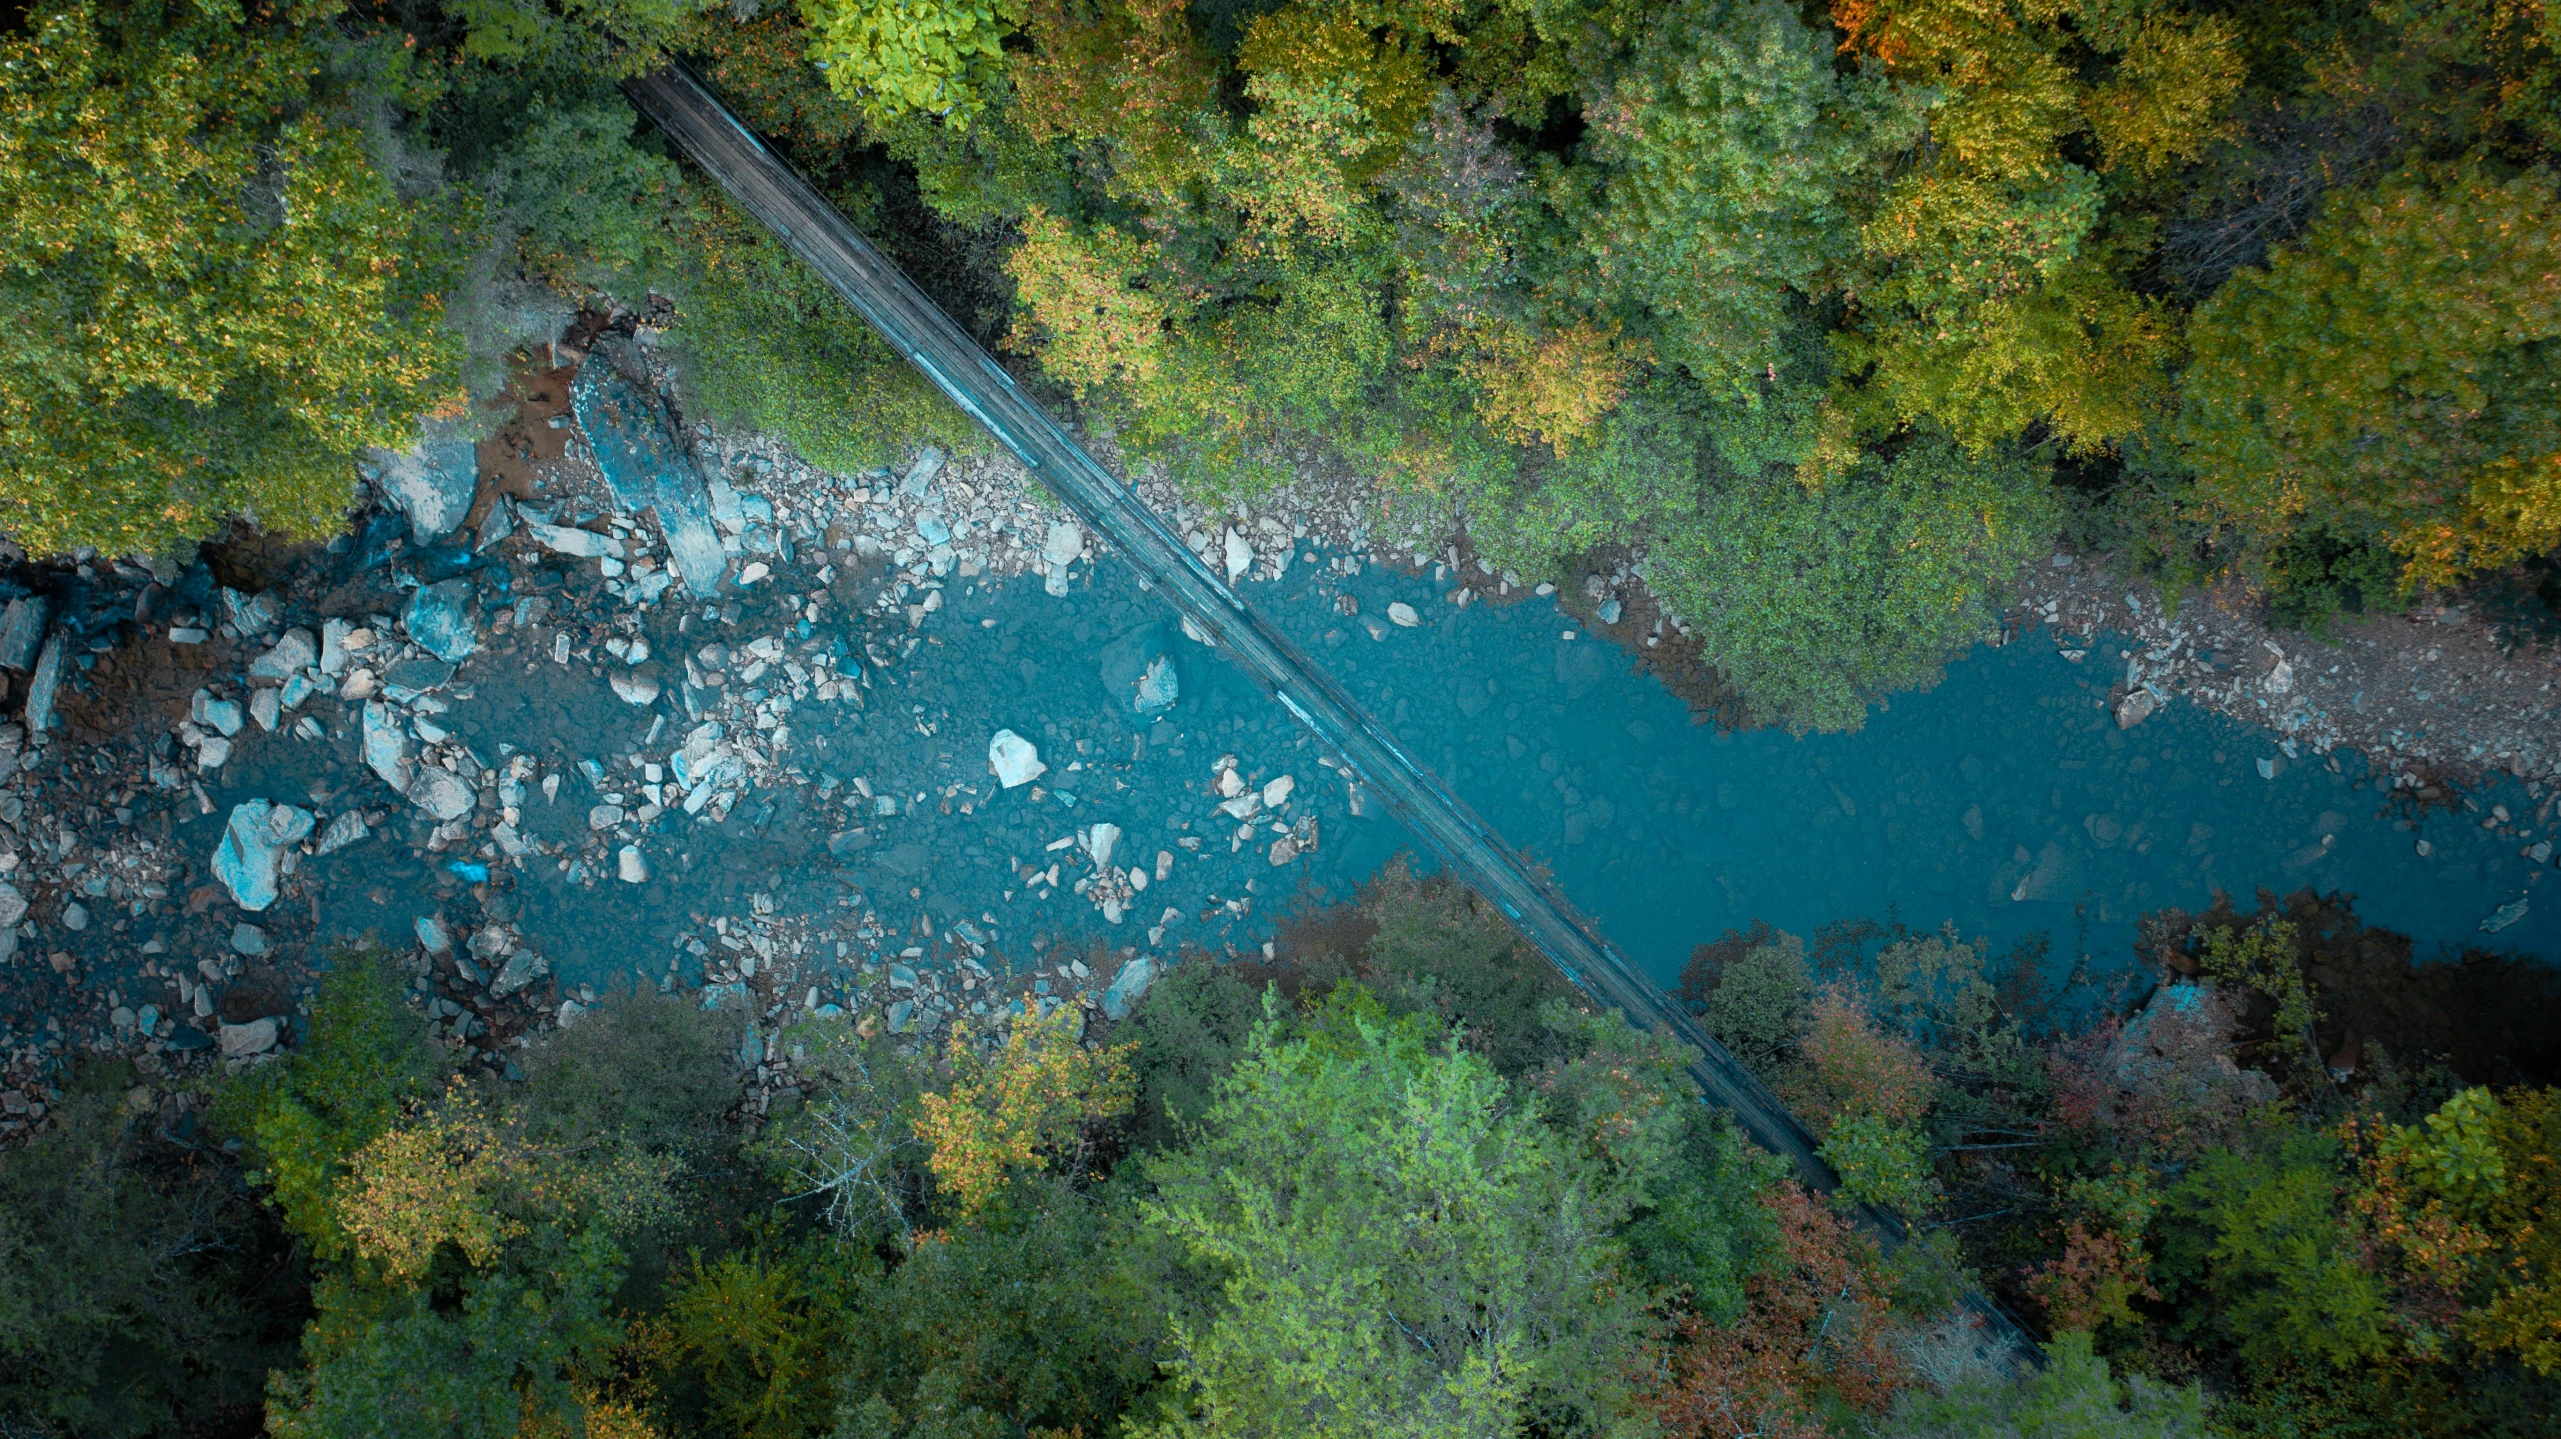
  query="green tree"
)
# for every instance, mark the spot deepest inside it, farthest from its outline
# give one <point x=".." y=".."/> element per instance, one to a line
<point x="1815" y="602"/>
<point x="306" y="1118"/>
<point x="2071" y="1397"/>
<point x="1725" y="174"/>
<point x="2258" y="1251"/>
<point x="1044" y="1311"/>
<point x="2394" y="379"/>
<point x="891" y="57"/>
<point x="129" y="1273"/>
<point x="211" y="296"/>
<point x="1401" y="1245"/>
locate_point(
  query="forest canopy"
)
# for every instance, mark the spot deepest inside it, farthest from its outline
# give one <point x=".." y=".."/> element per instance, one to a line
<point x="1831" y="317"/>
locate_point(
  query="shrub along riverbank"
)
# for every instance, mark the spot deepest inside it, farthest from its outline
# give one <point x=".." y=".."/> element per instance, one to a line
<point x="1837" y="312"/>
<point x="1391" y="1181"/>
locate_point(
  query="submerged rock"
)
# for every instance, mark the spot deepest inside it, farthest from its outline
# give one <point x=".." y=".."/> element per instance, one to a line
<point x="631" y="866"/>
<point x="638" y="689"/>
<point x="343" y="831"/>
<point x="1014" y="759"/>
<point x="437" y="619"/>
<point x="522" y="968"/>
<point x="1139" y="671"/>
<point x="252" y="849"/>
<point x="2505" y="915"/>
<point x="2135" y="708"/>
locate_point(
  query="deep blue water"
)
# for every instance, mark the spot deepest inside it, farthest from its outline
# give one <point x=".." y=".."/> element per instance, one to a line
<point x="2004" y="801"/>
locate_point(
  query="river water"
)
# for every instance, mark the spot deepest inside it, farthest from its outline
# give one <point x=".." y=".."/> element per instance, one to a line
<point x="2005" y="801"/>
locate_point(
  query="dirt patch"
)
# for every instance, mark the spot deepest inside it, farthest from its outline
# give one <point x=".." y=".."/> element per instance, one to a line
<point x="536" y="432"/>
<point x="138" y="691"/>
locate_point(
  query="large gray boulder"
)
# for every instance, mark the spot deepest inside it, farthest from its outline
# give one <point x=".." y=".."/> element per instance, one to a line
<point x="432" y="483"/>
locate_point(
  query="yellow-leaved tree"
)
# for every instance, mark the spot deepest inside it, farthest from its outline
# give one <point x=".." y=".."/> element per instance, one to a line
<point x="1018" y="1109"/>
<point x="211" y="296"/>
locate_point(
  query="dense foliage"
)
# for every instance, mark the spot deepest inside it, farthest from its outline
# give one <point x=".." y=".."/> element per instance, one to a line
<point x="1392" y="1180"/>
<point x="1833" y="315"/>
<point x="2258" y="1177"/>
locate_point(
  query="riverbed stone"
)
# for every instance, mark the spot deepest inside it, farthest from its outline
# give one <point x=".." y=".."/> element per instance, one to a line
<point x="247" y="938"/>
<point x="2135" y="708"/>
<point x="441" y="793"/>
<point x="576" y="543"/>
<point x="252" y="849"/>
<point x="386" y="745"/>
<point x="22" y="631"/>
<point x="432" y="482"/>
<point x="43" y="686"/>
<point x="1099" y="843"/>
<point x="1404" y="615"/>
<point x="1015" y="760"/>
<point x="293" y="652"/>
<point x="1128" y="987"/>
<point x="438" y="619"/>
<point x="240" y="1041"/>
<point x="929" y="463"/>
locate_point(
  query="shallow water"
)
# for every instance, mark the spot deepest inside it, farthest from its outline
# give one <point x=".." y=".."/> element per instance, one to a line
<point x="2004" y="801"/>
